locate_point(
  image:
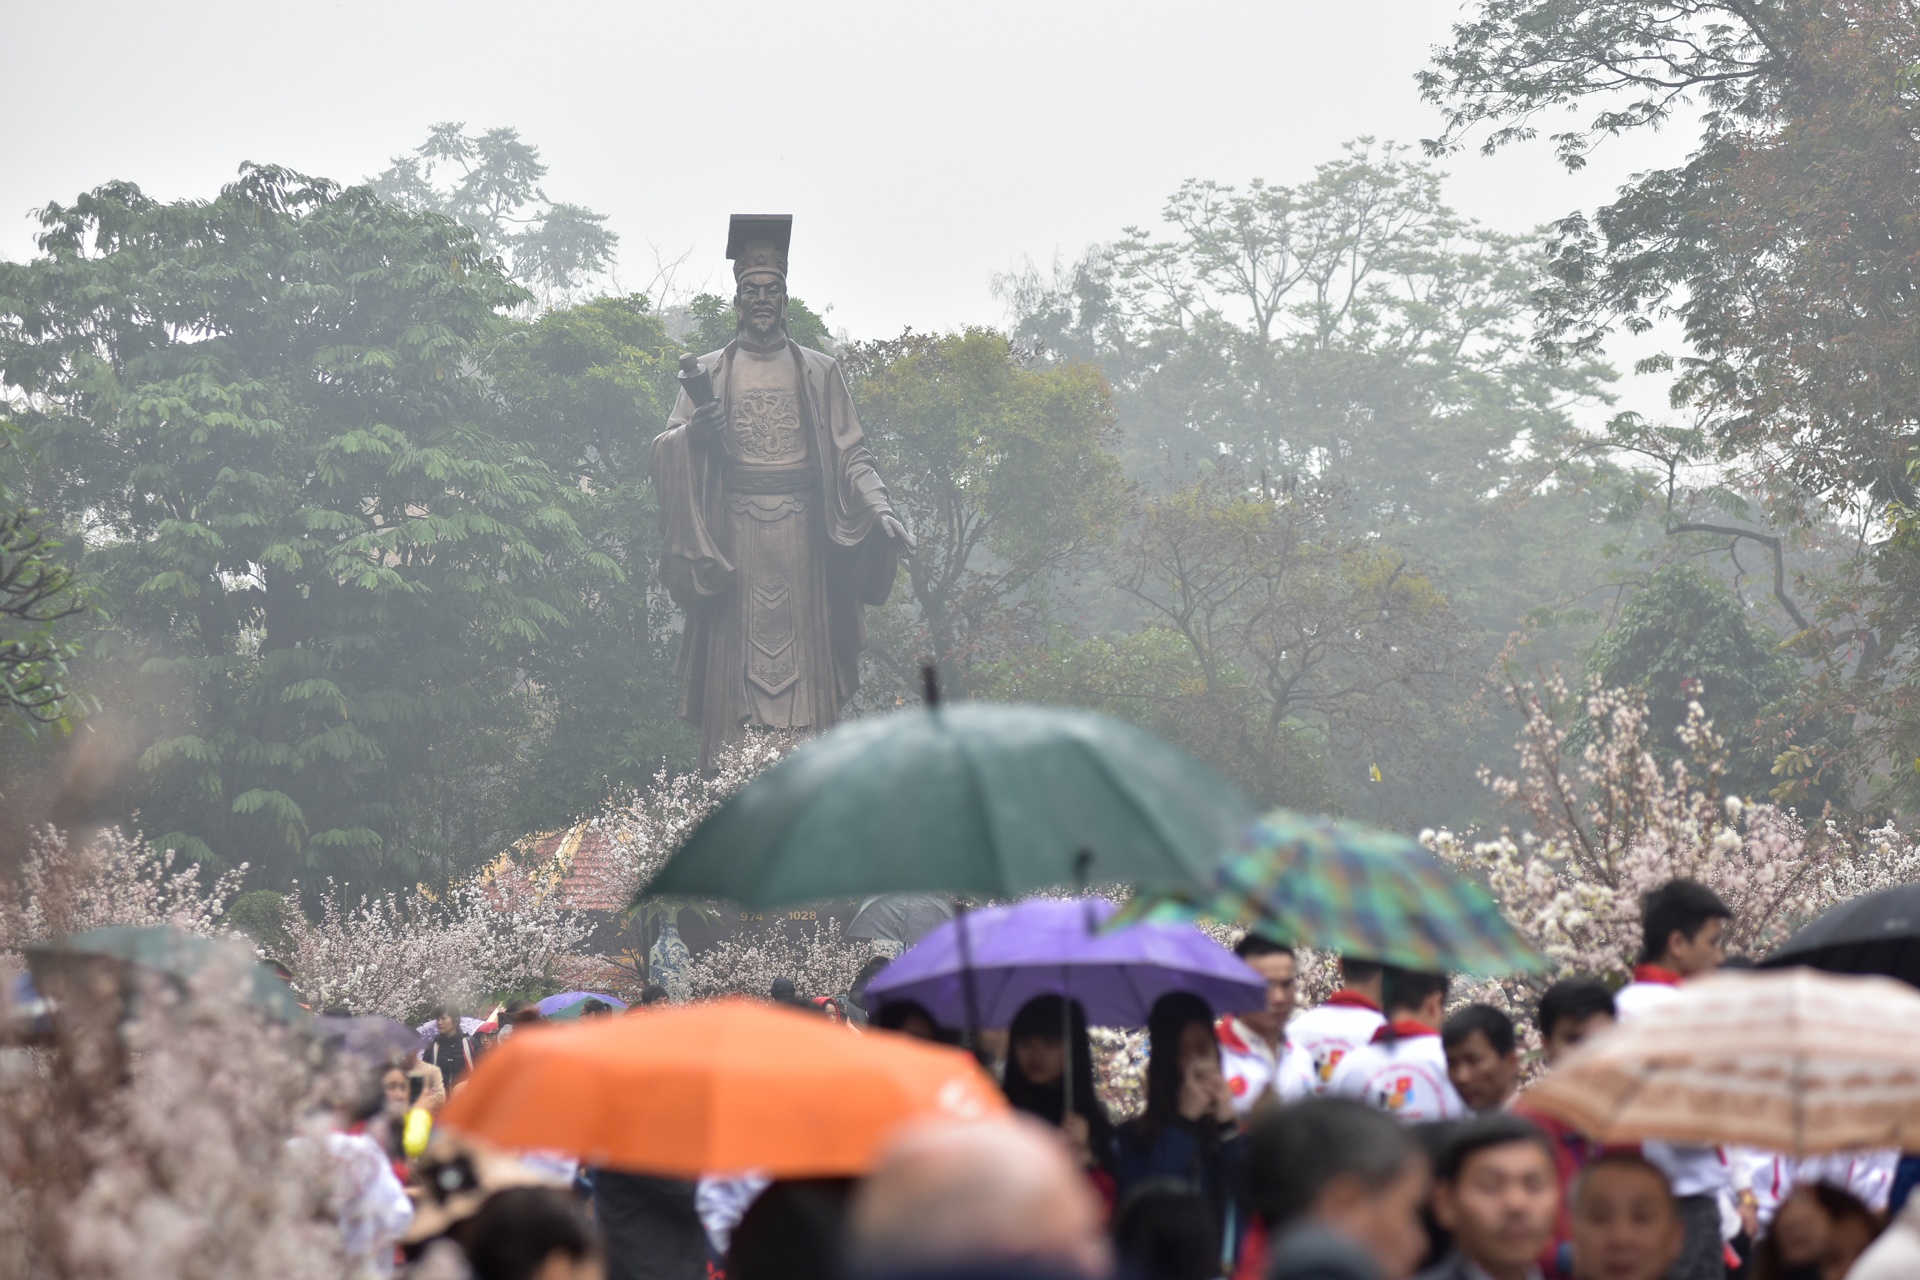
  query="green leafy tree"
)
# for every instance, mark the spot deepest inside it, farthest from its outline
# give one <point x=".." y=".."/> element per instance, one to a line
<point x="38" y="591"/>
<point x="1785" y="247"/>
<point x="1303" y="636"/>
<point x="587" y="389"/>
<point x="490" y="184"/>
<point x="1685" y="638"/>
<point x="1354" y="334"/>
<point x="1351" y="330"/>
<point x="1003" y="469"/>
<point x="264" y="409"/>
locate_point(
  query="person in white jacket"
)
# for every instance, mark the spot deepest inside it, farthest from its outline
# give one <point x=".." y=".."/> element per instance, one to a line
<point x="1342" y="1023"/>
<point x="1403" y="1071"/>
<point x="1255" y="1057"/>
<point x="1683" y="930"/>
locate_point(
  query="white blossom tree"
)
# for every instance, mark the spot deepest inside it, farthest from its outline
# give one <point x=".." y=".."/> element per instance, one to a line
<point x="1607" y="823"/>
<point x="63" y="887"/>
<point x="403" y="954"/>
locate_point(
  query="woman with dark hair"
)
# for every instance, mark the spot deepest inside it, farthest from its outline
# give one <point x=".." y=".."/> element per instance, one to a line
<point x="1188" y="1133"/>
<point x="1037" y="1069"/>
<point x="909" y="1018"/>
<point x="1818" y="1233"/>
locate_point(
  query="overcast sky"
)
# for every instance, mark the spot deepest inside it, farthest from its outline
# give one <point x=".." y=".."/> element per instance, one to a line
<point x="921" y="146"/>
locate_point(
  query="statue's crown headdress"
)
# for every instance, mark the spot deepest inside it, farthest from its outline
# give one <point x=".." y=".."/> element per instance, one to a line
<point x="758" y="242"/>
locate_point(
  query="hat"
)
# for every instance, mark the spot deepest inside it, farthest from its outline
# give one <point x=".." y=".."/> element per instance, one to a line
<point x="758" y="242"/>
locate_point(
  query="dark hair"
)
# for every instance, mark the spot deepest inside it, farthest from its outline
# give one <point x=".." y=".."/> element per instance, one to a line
<point x="654" y="994"/>
<point x="894" y="1014"/>
<point x="1295" y="1151"/>
<point x="857" y="989"/>
<point x="794" y="1230"/>
<point x="1678" y="906"/>
<point x="1617" y="1159"/>
<point x="782" y="989"/>
<point x="1172" y="1014"/>
<point x="593" y="1005"/>
<point x="448" y="1011"/>
<point x="1572" y="998"/>
<point x="1470" y="1139"/>
<point x="1163" y="1231"/>
<point x="1044" y="1018"/>
<point x="1353" y="970"/>
<point x="1409" y="988"/>
<point x="1837" y="1203"/>
<point x="1255" y="944"/>
<point x="518" y="1229"/>
<point x="1490" y="1022"/>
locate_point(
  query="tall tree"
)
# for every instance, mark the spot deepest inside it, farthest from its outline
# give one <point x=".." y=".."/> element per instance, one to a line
<point x="263" y="406"/>
<point x="1351" y="333"/>
<point x="1684" y="638"/>
<point x="1296" y="624"/>
<point x="490" y="184"/>
<point x="1785" y="246"/>
<point x="587" y="389"/>
<point x="1003" y="468"/>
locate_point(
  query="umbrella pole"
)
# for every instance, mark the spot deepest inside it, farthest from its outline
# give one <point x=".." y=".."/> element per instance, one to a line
<point x="966" y="981"/>
<point x="1081" y="861"/>
<point x="1066" y="1042"/>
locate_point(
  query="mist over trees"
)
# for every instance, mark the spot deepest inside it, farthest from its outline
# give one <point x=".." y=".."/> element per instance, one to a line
<point x="327" y="539"/>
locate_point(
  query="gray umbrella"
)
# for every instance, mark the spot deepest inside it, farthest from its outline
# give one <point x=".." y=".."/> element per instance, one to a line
<point x="370" y="1037"/>
<point x="900" y="917"/>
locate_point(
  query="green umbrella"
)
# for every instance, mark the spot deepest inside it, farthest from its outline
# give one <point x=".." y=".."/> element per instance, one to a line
<point x="164" y="949"/>
<point x="1356" y="890"/>
<point x="980" y="799"/>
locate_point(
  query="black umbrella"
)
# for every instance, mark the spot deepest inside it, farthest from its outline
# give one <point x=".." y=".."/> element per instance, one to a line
<point x="900" y="917"/>
<point x="1874" y="933"/>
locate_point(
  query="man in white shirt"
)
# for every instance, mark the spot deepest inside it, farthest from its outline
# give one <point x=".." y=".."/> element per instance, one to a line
<point x="1345" y="1021"/>
<point x="1255" y="1057"/>
<point x="1683" y="930"/>
<point x="1403" y="1072"/>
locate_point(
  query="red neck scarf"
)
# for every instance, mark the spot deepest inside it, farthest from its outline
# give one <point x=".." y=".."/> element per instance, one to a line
<point x="1655" y="974"/>
<point x="1348" y="998"/>
<point x="1402" y="1029"/>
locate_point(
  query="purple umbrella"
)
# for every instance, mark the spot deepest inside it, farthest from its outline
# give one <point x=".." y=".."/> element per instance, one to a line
<point x="1050" y="946"/>
<point x="571" y="1004"/>
<point x="431" y="1028"/>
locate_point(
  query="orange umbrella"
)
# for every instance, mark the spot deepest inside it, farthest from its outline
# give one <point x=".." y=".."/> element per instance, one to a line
<point x="715" y="1088"/>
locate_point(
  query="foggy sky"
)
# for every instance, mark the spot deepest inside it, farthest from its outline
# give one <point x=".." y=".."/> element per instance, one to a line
<point x="921" y="147"/>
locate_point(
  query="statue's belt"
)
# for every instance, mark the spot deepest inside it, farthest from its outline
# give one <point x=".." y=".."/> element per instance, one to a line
<point x="800" y="478"/>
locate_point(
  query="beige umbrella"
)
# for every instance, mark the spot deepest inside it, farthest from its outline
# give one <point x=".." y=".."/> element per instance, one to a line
<point x="1792" y="1060"/>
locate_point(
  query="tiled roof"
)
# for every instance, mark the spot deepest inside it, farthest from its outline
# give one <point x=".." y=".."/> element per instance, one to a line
<point x="587" y="855"/>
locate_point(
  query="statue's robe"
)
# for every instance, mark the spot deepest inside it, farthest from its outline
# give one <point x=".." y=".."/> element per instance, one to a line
<point x="770" y="552"/>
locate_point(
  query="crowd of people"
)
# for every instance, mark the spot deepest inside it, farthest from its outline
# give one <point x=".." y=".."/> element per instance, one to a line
<point x="1375" y="1136"/>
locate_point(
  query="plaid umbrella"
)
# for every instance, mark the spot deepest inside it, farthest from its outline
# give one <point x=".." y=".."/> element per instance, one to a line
<point x="1356" y="890"/>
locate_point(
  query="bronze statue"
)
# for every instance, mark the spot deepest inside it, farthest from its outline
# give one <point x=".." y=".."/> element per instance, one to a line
<point x="775" y="525"/>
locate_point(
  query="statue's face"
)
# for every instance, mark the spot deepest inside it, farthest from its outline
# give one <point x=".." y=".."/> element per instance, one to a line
<point x="761" y="301"/>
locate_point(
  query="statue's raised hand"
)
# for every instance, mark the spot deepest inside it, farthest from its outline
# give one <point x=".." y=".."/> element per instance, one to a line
<point x="704" y="427"/>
